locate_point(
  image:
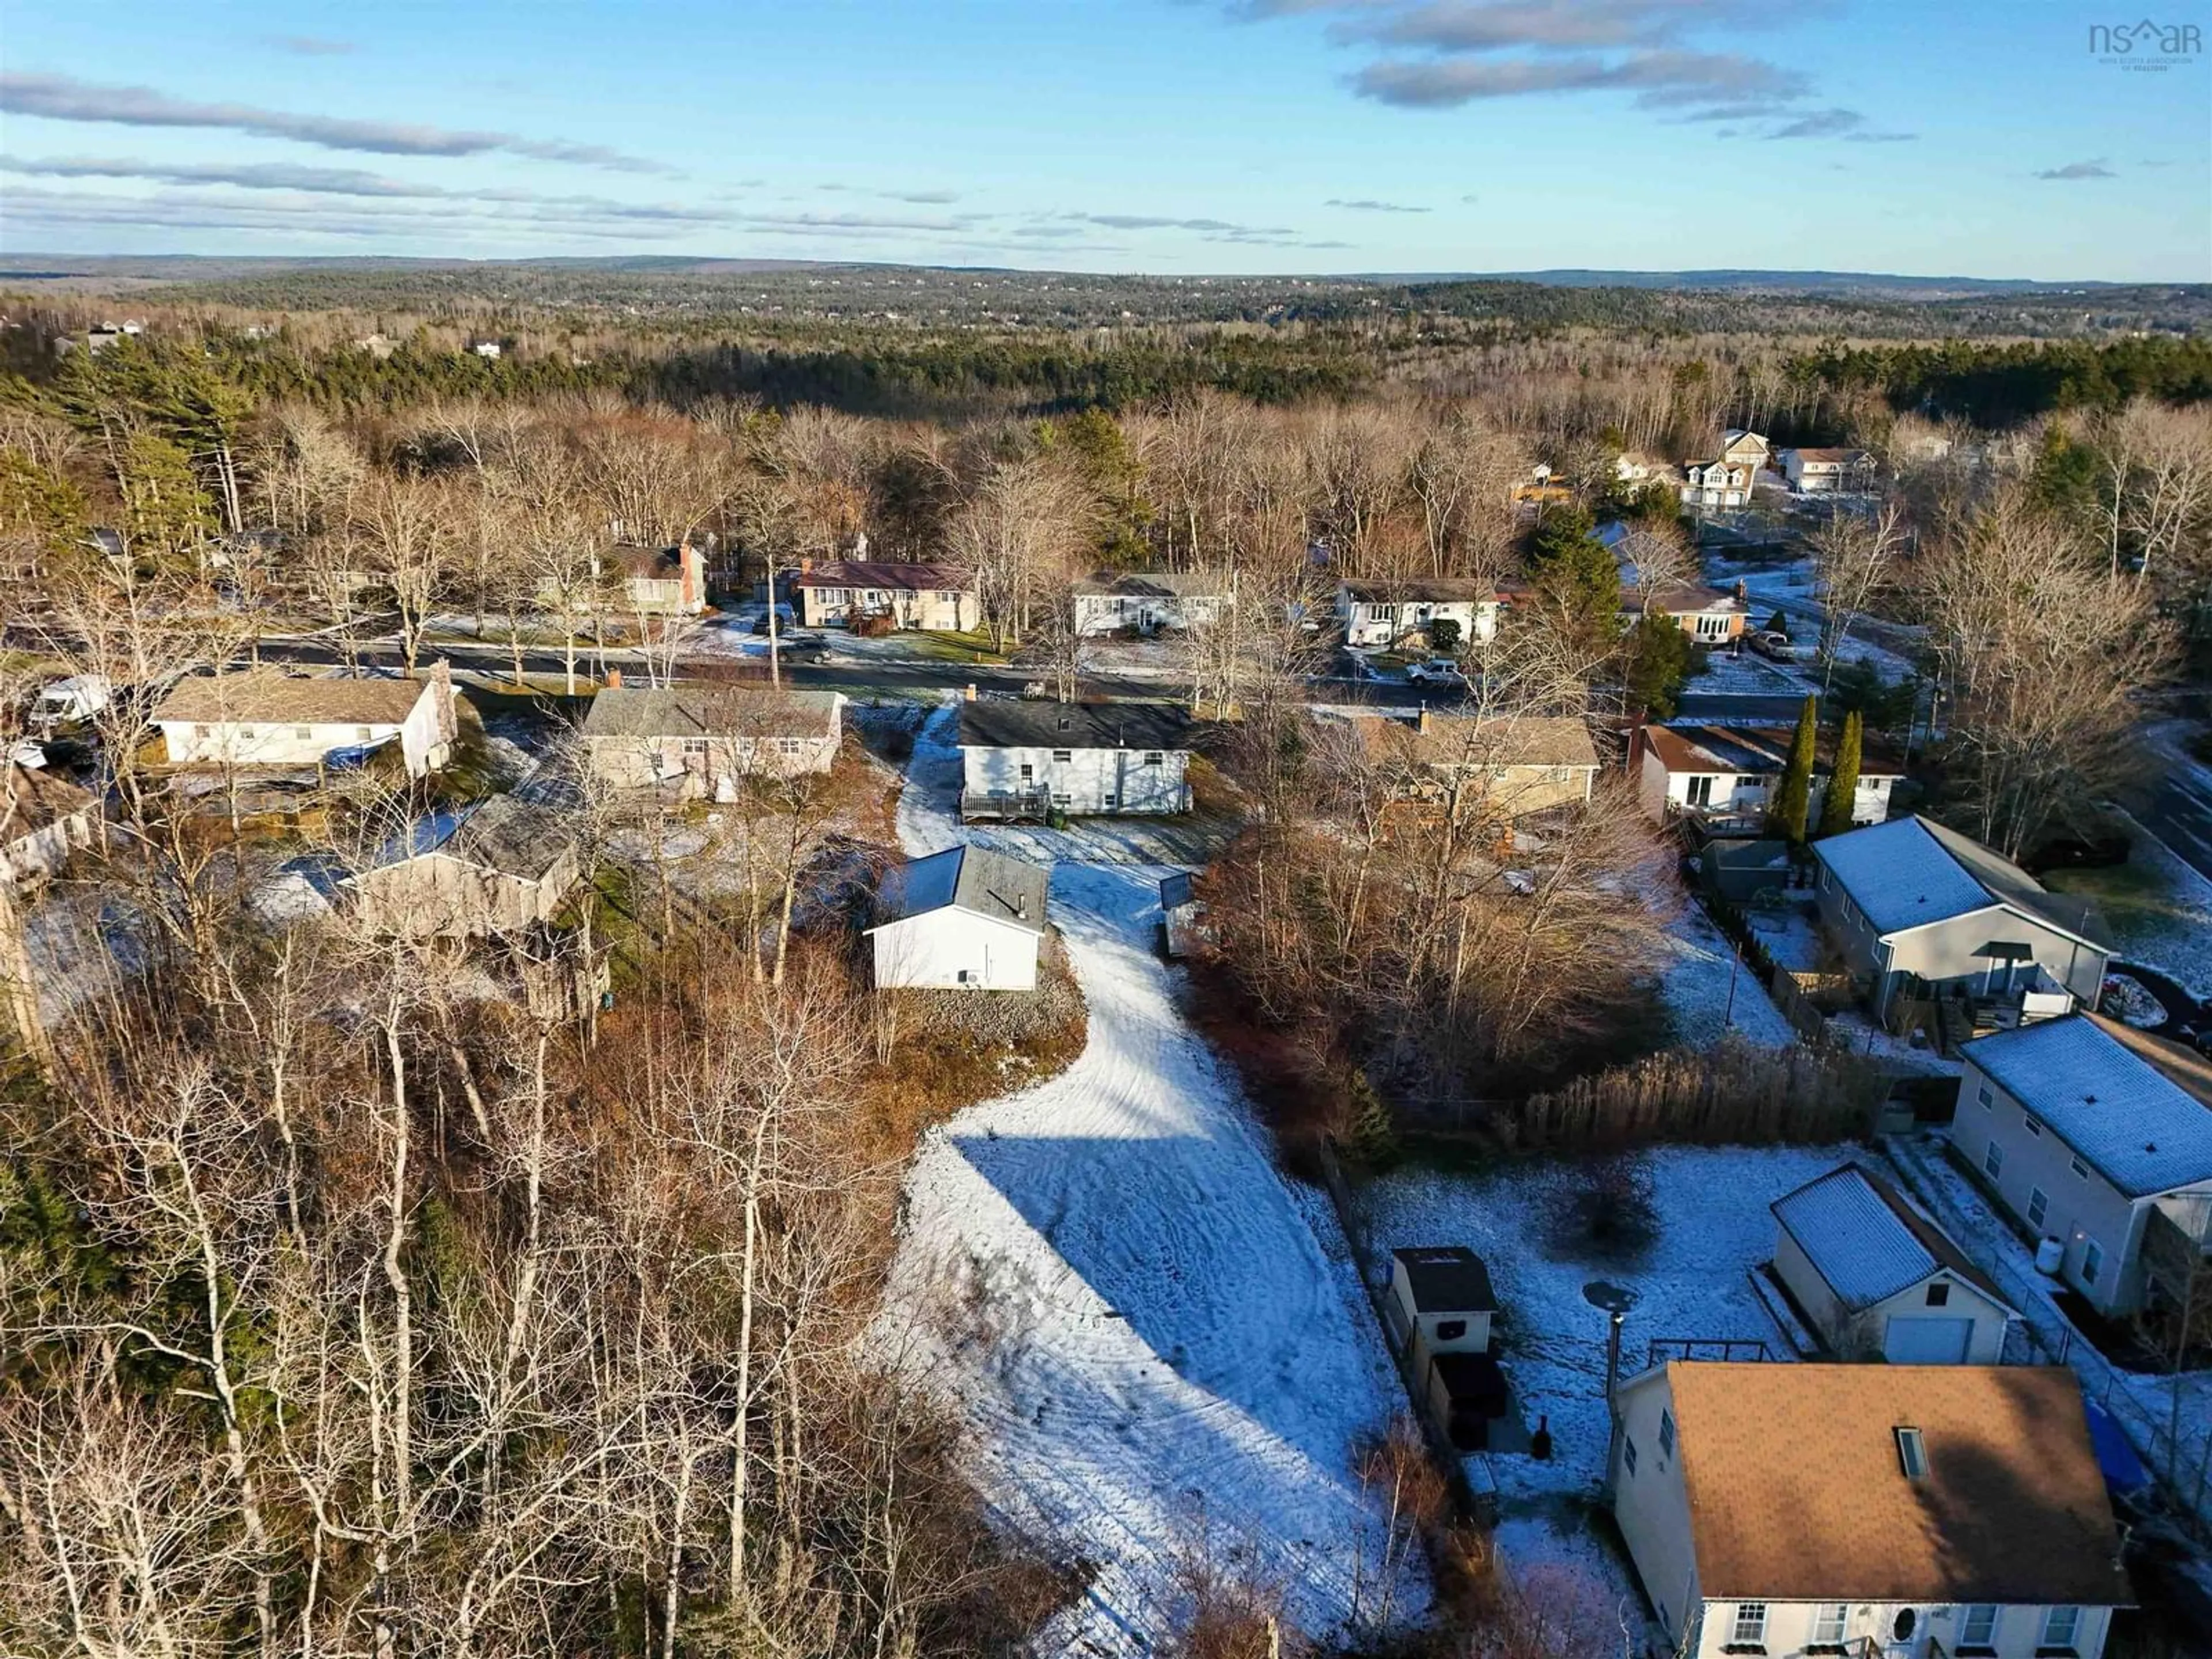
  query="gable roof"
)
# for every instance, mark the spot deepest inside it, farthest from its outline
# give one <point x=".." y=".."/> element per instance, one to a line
<point x="1157" y="584"/>
<point x="1681" y="600"/>
<point x="1834" y="456"/>
<point x="965" y="877"/>
<point x="1456" y="740"/>
<point x="650" y="563"/>
<point x="1003" y="723"/>
<point x="868" y="573"/>
<point x="720" y="711"/>
<point x="2141" y="1130"/>
<point x="1912" y="871"/>
<point x="1796" y="1491"/>
<point x="507" y="834"/>
<point x="270" y="697"/>
<point x="1691" y="747"/>
<point x="1447" y="1278"/>
<point x="1866" y="1243"/>
<point x="1433" y="590"/>
<point x="32" y="798"/>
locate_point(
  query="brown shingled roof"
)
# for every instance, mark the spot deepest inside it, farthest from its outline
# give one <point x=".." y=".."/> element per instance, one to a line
<point x="1796" y="1493"/>
<point x="31" y="798"/>
<point x="1464" y="740"/>
<point x="270" y="697"/>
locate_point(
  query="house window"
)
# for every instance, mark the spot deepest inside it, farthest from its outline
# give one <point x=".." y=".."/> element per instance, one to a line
<point x="1750" y="1627"/>
<point x="2079" y="1169"/>
<point x="1063" y="757"/>
<point x="1628" y="1456"/>
<point x="1939" y="1294"/>
<point x="1979" y="1627"/>
<point x="967" y="976"/>
<point x="790" y="746"/>
<point x="2093" y="1260"/>
<point x="201" y="731"/>
<point x="1666" y="1433"/>
<point x="695" y="749"/>
<point x="1912" y="1452"/>
<point x="1993" y="1161"/>
<point x="302" y="731"/>
<point x="1701" y="790"/>
<point x="1830" y="1621"/>
<point x="1155" y="757"/>
<point x="1984" y="1095"/>
<point x="1450" y="1330"/>
<point x="1028" y="772"/>
<point x="2060" y="1626"/>
<point x="1112" y="801"/>
<point x="2029" y="1122"/>
<point x="362" y="734"/>
<point x="1063" y="800"/>
<point x="2039" y="1206"/>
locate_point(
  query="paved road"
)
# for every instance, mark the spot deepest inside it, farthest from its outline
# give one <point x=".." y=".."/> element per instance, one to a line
<point x="854" y="678"/>
<point x="2179" y="813"/>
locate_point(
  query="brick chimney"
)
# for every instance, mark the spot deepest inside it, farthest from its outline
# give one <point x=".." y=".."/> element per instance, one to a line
<point x="614" y="679"/>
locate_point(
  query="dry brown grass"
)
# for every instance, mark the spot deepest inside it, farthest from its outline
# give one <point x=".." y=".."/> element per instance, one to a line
<point x="1737" y="1094"/>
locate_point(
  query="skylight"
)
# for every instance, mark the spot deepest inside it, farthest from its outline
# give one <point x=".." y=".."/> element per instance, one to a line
<point x="1911" y="1454"/>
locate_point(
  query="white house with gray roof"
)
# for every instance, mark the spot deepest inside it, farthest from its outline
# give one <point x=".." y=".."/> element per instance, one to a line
<point x="1918" y="910"/>
<point x="2099" y="1138"/>
<point x="1877" y="1279"/>
<point x="966" y="918"/>
<point x="1021" y="759"/>
<point x="1150" y="600"/>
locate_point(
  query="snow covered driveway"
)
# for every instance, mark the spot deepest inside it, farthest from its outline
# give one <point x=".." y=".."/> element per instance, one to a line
<point x="1131" y="1306"/>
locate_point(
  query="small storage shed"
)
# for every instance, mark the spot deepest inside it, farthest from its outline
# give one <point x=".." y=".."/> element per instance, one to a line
<point x="1440" y="1300"/>
<point x="966" y="917"/>
<point x="1878" y="1280"/>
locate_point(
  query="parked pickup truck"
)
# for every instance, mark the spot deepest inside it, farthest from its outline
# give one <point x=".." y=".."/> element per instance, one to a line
<point x="1780" y="647"/>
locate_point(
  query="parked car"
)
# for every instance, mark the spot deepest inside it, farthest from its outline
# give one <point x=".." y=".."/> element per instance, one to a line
<point x="1779" y="648"/>
<point x="785" y="619"/>
<point x="1354" y="664"/>
<point x="1437" y="670"/>
<point x="805" y="648"/>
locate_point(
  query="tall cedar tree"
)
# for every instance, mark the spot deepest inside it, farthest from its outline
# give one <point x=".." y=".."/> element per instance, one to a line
<point x="1793" y="795"/>
<point x="1578" y="573"/>
<point x="1843" y="779"/>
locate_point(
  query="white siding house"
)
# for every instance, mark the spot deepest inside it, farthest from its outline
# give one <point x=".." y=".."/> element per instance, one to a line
<point x="1876" y="1279"/>
<point x="1380" y="614"/>
<point x="965" y="918"/>
<point x="265" y="717"/>
<point x="1725" y="775"/>
<point x="1826" y="472"/>
<point x="42" y="819"/>
<point x="1892" y="1511"/>
<point x="1149" y="601"/>
<point x="2099" y="1139"/>
<point x="1029" y="759"/>
<point x="1920" y="910"/>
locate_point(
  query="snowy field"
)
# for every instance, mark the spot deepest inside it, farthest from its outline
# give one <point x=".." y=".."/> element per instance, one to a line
<point x="1696" y="988"/>
<point x="1689" y="1277"/>
<point x="1136" y="1314"/>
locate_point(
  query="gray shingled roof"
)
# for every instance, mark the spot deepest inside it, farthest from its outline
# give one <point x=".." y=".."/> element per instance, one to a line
<point x="695" y="711"/>
<point x="1157" y="584"/>
<point x="965" y="877"/>
<point x="1447" y="1278"/>
<point x="1005" y="724"/>
<point x="514" y="836"/>
<point x="1865" y="1242"/>
<point x="2143" y="1131"/>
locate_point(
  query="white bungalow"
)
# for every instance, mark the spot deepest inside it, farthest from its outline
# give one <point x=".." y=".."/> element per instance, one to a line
<point x="266" y="717"/>
<point x="1021" y="759"/>
<point x="1149" y="601"/>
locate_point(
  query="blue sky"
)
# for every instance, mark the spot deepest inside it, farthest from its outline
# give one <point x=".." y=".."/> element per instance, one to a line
<point x="1170" y="136"/>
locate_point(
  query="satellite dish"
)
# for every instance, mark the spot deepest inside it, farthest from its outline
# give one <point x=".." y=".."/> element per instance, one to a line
<point x="1614" y="1298"/>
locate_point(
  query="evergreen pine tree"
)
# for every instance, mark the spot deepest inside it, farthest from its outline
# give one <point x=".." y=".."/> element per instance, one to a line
<point x="1843" y="779"/>
<point x="1793" y="795"/>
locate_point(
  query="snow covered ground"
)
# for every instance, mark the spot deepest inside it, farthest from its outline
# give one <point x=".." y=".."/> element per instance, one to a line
<point x="1690" y="1278"/>
<point x="2156" y="908"/>
<point x="1696" y="989"/>
<point x="1134" y="1311"/>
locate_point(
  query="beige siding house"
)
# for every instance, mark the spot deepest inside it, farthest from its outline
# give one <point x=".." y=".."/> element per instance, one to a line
<point x="1726" y="481"/>
<point x="266" y="717"/>
<point x="933" y="598"/>
<point x="1918" y="910"/>
<point x="506" y="867"/>
<point x="2098" y="1141"/>
<point x="1500" y="768"/>
<point x="1826" y="472"/>
<point x="1878" y="1280"/>
<point x="1896" y="1510"/>
<point x="43" y="818"/>
<point x="698" y="741"/>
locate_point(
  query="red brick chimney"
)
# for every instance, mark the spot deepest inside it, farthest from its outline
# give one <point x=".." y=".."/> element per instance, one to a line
<point x="614" y="679"/>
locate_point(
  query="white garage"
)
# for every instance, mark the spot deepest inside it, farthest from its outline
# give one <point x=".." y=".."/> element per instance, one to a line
<point x="965" y="918"/>
<point x="1876" y="1279"/>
